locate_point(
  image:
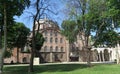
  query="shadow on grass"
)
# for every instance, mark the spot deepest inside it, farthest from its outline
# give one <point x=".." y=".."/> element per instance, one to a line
<point x="44" y="68"/>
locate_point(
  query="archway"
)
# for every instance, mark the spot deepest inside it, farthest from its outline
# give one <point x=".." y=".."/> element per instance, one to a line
<point x="96" y="55"/>
<point x="106" y="55"/>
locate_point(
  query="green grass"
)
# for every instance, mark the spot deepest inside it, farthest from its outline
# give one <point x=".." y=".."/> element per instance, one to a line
<point x="65" y="69"/>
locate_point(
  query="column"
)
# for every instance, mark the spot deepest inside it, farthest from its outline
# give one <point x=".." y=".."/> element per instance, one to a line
<point x="109" y="57"/>
<point x="99" y="57"/>
<point x="103" y="57"/>
<point x="51" y="57"/>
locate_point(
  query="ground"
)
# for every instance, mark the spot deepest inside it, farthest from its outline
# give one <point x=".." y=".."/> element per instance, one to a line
<point x="64" y="69"/>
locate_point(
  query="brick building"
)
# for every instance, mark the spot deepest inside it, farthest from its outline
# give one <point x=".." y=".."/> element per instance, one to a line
<point x="56" y="47"/>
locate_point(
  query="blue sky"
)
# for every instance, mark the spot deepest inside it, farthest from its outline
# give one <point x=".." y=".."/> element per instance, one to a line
<point x="58" y="6"/>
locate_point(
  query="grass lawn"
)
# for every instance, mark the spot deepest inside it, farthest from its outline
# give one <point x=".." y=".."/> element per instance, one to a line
<point x="65" y="69"/>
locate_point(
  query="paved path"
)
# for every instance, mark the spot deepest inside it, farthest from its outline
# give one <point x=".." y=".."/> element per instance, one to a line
<point x="107" y="62"/>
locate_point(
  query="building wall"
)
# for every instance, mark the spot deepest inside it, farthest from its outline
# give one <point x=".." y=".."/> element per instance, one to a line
<point x="56" y="48"/>
<point x="23" y="57"/>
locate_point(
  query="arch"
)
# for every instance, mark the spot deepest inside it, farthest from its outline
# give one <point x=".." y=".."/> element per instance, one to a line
<point x="51" y="48"/>
<point x="24" y="60"/>
<point x="45" y="49"/>
<point x="51" y="40"/>
<point x="56" y="40"/>
<point x="96" y="55"/>
<point x="56" y="49"/>
<point x="106" y="55"/>
<point x="62" y="49"/>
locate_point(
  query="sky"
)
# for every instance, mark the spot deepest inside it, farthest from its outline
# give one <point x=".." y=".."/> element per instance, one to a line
<point x="57" y="5"/>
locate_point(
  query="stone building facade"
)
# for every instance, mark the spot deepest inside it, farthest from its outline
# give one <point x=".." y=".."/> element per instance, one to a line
<point x="56" y="47"/>
<point x="18" y="56"/>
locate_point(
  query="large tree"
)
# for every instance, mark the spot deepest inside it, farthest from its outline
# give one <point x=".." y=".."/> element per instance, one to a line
<point x="17" y="37"/>
<point x="94" y="16"/>
<point x="9" y="8"/>
<point x="69" y="30"/>
<point x="41" y="9"/>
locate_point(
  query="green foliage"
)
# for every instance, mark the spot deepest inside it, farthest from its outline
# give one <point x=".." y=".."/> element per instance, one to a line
<point x="69" y="29"/>
<point x="17" y="35"/>
<point x="100" y="17"/>
<point x="109" y="38"/>
<point x="39" y="40"/>
<point x="13" y="7"/>
<point x="8" y="53"/>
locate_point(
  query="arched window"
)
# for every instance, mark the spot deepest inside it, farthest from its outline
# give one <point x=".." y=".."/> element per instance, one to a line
<point x="62" y="49"/>
<point x="24" y="60"/>
<point x="45" y="49"/>
<point x="46" y="39"/>
<point x="56" y="48"/>
<point x="51" y="40"/>
<point x="51" y="33"/>
<point x="45" y="33"/>
<point x="55" y="33"/>
<point x="51" y="49"/>
<point x="61" y="40"/>
<point x="56" y="40"/>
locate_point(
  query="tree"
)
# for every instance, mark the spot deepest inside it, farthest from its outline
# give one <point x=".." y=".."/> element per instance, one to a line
<point x="39" y="40"/>
<point x="17" y="37"/>
<point x="41" y="8"/>
<point x="69" y="30"/>
<point x="94" y="16"/>
<point x="9" y="8"/>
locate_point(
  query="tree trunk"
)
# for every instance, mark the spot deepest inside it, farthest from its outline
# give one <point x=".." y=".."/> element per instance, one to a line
<point x="117" y="53"/>
<point x="5" y="39"/>
<point x="17" y="55"/>
<point x="88" y="57"/>
<point x="0" y="48"/>
<point x="31" y="61"/>
<point x="32" y="50"/>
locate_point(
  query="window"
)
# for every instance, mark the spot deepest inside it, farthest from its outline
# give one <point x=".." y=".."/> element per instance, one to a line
<point x="45" y="49"/>
<point x="24" y="60"/>
<point x="62" y="49"/>
<point x="56" y="48"/>
<point x="45" y="33"/>
<point x="61" y="56"/>
<point x="51" y="49"/>
<point x="55" y="33"/>
<point x="56" y="40"/>
<point x="61" y="40"/>
<point x="45" y="39"/>
<point x="51" y="33"/>
<point x="51" y="40"/>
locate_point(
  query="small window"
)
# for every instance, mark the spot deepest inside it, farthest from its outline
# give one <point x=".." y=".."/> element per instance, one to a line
<point x="61" y="40"/>
<point x="51" y="40"/>
<point x="24" y="60"/>
<point x="56" y="40"/>
<point x="51" y="33"/>
<point x="61" y="56"/>
<point x="56" y="48"/>
<point x="51" y="48"/>
<point x="45" y="39"/>
<point x="45" y="33"/>
<point x="62" y="49"/>
<point x="55" y="33"/>
<point x="45" y="48"/>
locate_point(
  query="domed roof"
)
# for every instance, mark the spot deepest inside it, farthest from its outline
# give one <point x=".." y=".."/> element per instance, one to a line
<point x="45" y="23"/>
